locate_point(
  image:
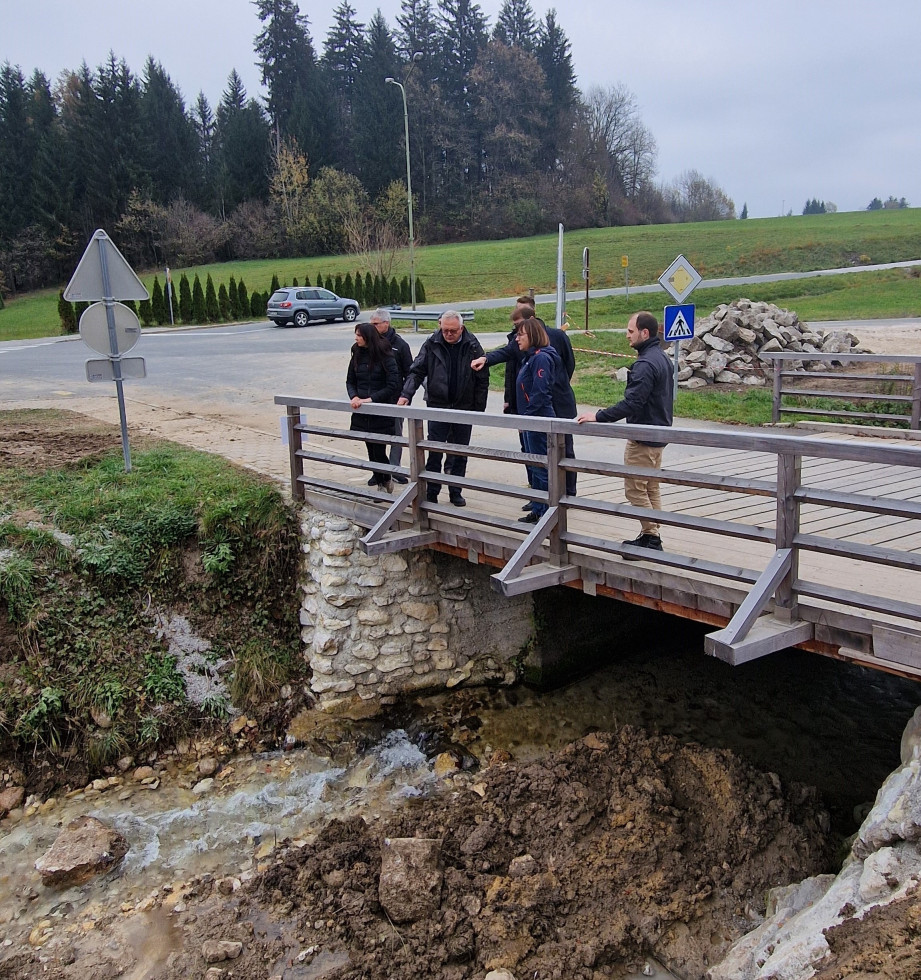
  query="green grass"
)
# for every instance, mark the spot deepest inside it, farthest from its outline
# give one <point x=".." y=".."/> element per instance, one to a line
<point x="479" y="270"/>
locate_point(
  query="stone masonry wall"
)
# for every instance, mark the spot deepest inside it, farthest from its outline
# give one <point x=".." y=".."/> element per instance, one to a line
<point x="377" y="627"/>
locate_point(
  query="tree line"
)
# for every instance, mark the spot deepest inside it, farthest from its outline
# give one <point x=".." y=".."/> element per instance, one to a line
<point x="503" y="143"/>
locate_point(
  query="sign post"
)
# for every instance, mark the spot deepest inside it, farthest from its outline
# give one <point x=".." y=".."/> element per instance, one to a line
<point x="625" y="262"/>
<point x="585" y="274"/>
<point x="104" y="274"/>
<point x="679" y="280"/>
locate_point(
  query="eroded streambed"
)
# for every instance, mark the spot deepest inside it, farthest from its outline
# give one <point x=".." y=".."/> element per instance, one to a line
<point x="642" y="843"/>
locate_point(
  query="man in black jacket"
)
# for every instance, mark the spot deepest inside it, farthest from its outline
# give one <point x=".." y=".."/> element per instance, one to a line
<point x="647" y="401"/>
<point x="404" y="357"/>
<point x="443" y="365"/>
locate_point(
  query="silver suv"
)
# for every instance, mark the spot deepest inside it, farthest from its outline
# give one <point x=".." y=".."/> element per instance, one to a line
<point x="301" y="304"/>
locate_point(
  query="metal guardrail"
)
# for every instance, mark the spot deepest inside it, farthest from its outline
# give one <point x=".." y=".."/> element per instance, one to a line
<point x="780" y="608"/>
<point x="909" y="396"/>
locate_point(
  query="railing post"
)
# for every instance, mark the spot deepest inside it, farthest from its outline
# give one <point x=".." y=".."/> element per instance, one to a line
<point x="295" y="461"/>
<point x="916" y="398"/>
<point x="556" y="487"/>
<point x="415" y="431"/>
<point x="789" y="472"/>
<point x="778" y="380"/>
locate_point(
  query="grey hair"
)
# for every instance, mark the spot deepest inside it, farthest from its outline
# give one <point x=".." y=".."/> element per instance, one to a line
<point x="381" y="314"/>
<point x="451" y="315"/>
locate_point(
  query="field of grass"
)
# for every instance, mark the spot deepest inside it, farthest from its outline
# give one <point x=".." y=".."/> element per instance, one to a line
<point x="453" y="274"/>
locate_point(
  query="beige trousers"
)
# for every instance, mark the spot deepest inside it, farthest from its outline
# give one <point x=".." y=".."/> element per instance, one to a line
<point x="643" y="491"/>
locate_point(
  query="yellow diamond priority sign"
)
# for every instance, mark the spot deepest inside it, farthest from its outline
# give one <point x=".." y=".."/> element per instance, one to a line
<point x="680" y="279"/>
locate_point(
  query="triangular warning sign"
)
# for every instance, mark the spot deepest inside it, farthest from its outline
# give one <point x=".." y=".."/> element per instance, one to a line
<point x="679" y="329"/>
<point x="88" y="284"/>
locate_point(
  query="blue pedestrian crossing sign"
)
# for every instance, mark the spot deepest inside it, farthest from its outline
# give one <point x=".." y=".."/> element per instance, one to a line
<point x="679" y="322"/>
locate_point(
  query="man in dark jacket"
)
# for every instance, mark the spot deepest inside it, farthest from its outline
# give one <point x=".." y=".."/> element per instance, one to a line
<point x="443" y="366"/>
<point x="647" y="401"/>
<point x="404" y="357"/>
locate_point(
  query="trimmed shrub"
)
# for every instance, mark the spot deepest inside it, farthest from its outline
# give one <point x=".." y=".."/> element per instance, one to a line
<point x="158" y="303"/>
<point x="232" y="298"/>
<point x="406" y="293"/>
<point x="212" y="310"/>
<point x="394" y="293"/>
<point x="337" y="285"/>
<point x="223" y="302"/>
<point x="275" y="283"/>
<point x="420" y="291"/>
<point x="145" y="311"/>
<point x="242" y="301"/>
<point x="358" y="290"/>
<point x="198" y="301"/>
<point x="67" y="316"/>
<point x="185" y="299"/>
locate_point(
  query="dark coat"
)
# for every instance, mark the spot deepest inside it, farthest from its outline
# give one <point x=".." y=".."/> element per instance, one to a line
<point x="564" y="400"/>
<point x="379" y="382"/>
<point x="401" y="352"/>
<point x="535" y="381"/>
<point x="648" y="397"/>
<point x="431" y="368"/>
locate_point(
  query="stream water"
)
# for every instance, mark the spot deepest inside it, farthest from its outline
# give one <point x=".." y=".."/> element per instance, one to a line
<point x="806" y="718"/>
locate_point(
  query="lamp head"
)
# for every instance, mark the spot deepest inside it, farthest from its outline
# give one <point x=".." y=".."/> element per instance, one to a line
<point x="417" y="56"/>
<point x="390" y="81"/>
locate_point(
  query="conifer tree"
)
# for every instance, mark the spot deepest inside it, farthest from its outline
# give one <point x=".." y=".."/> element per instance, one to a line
<point x="212" y="310"/>
<point x="131" y="304"/>
<point x="294" y="281"/>
<point x="406" y="293"/>
<point x="394" y="297"/>
<point x="306" y="280"/>
<point x="337" y="285"/>
<point x="185" y="299"/>
<point x="358" y="290"/>
<point x="420" y="291"/>
<point x="223" y="302"/>
<point x="198" y="301"/>
<point x="79" y="310"/>
<point x="348" y="287"/>
<point x="320" y="280"/>
<point x="66" y="314"/>
<point x="145" y="312"/>
<point x="275" y="283"/>
<point x="242" y="301"/>
<point x="158" y="303"/>
<point x="257" y="304"/>
<point x="232" y="297"/>
<point x="329" y="284"/>
<point x="370" y="295"/>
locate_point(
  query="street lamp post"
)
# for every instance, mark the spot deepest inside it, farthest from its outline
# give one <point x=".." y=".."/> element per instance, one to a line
<point x="409" y="185"/>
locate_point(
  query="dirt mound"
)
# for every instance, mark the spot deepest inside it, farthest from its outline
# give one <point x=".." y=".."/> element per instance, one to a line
<point x="632" y="845"/>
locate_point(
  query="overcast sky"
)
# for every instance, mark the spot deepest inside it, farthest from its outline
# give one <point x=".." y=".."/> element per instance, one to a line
<point x="778" y="101"/>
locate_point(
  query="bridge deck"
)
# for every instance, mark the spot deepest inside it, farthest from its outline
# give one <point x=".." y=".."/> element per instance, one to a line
<point x="840" y="576"/>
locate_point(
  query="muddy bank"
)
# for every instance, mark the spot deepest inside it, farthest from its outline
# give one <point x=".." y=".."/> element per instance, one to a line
<point x="578" y="866"/>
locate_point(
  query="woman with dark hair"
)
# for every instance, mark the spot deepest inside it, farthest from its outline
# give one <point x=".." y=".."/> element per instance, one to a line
<point x="534" y="393"/>
<point x="373" y="376"/>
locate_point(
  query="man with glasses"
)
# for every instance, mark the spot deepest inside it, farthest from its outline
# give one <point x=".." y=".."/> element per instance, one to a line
<point x="443" y="367"/>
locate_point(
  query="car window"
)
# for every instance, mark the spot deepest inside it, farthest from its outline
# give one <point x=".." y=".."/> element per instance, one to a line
<point x="310" y="294"/>
<point x="279" y="296"/>
<point x="304" y="294"/>
<point x="325" y="294"/>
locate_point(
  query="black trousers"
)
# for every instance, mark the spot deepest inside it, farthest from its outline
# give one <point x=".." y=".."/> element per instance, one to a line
<point x="454" y="465"/>
<point x="377" y="451"/>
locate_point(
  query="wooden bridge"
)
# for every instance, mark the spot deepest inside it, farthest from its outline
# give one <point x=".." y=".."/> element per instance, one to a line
<point x="777" y="539"/>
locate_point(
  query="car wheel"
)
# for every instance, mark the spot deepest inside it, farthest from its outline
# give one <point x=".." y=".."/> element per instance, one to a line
<point x="349" y="314"/>
<point x="301" y="319"/>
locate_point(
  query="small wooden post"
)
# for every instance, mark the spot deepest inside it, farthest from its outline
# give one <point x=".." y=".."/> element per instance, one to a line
<point x="294" y="445"/>
<point x="789" y="472"/>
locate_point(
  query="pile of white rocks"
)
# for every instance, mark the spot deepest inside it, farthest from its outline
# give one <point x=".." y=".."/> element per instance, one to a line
<point x="729" y="344"/>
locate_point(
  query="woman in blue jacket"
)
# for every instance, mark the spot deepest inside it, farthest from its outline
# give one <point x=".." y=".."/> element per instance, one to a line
<point x="373" y="376"/>
<point x="534" y="394"/>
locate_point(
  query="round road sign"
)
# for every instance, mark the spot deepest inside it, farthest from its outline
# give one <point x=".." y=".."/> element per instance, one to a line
<point x="94" y="329"/>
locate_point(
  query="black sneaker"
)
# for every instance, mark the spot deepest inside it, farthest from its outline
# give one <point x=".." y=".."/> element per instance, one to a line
<point x="431" y="496"/>
<point x="531" y="518"/>
<point x="457" y="498"/>
<point x="400" y="479"/>
<point x="373" y="481"/>
<point x="526" y="506"/>
<point x="653" y="542"/>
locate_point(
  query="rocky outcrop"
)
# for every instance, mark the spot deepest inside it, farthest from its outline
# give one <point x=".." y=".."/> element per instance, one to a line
<point x="86" y="847"/>
<point x="884" y="864"/>
<point x="729" y="344"/>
